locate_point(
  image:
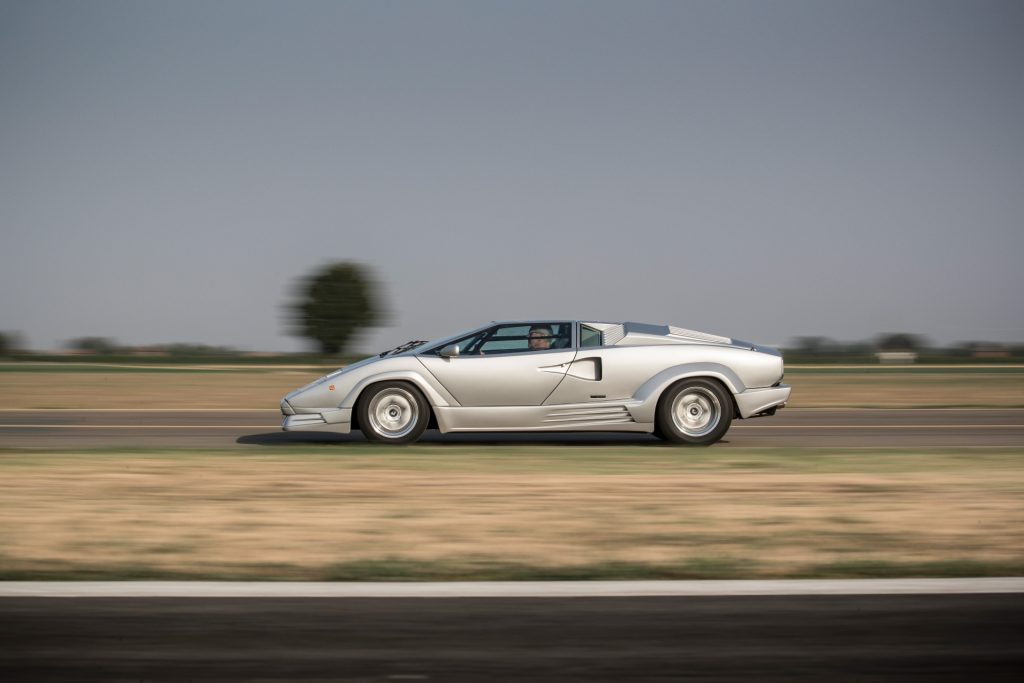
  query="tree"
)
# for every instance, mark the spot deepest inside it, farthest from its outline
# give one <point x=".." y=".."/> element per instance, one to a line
<point x="814" y="346"/>
<point x="102" y="346"/>
<point x="10" y="343"/>
<point x="901" y="341"/>
<point x="335" y="303"/>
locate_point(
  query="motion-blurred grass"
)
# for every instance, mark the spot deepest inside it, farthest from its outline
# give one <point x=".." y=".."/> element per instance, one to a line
<point x="363" y="512"/>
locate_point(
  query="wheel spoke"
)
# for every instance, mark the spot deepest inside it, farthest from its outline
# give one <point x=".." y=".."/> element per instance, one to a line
<point x="696" y="411"/>
<point x="393" y="413"/>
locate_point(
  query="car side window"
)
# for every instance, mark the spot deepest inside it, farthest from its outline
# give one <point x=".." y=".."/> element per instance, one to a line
<point x="524" y="338"/>
<point x="505" y="339"/>
<point x="589" y="336"/>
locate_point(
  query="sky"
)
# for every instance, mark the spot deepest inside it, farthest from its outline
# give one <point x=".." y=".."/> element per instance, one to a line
<point x="762" y="170"/>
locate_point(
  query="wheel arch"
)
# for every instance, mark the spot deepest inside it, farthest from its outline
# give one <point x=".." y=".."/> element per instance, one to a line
<point x="357" y="393"/>
<point x="431" y="393"/>
<point x="712" y="378"/>
<point x="652" y="390"/>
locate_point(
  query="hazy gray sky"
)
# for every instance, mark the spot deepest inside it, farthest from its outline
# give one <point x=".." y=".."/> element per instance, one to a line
<point x="759" y="169"/>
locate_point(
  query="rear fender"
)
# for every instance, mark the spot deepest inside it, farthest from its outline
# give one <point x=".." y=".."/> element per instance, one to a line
<point x="651" y="390"/>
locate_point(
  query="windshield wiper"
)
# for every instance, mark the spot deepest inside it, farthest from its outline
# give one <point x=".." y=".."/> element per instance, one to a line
<point x="407" y="346"/>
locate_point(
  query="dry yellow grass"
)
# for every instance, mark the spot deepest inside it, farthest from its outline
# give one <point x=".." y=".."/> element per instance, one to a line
<point x="300" y="514"/>
<point x="917" y="389"/>
<point x="265" y="388"/>
<point x="166" y="389"/>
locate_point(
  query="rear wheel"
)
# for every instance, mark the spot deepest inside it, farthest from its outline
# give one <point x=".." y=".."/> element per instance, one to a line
<point x="695" y="411"/>
<point x="393" y="412"/>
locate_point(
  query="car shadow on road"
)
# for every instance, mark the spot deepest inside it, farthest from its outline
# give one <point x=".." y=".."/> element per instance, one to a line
<point x="435" y="437"/>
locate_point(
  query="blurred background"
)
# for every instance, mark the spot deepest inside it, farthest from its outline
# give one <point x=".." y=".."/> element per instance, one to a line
<point x="836" y="178"/>
<point x="205" y="204"/>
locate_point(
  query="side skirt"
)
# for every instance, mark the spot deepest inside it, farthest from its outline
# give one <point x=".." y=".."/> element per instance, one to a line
<point x="582" y="417"/>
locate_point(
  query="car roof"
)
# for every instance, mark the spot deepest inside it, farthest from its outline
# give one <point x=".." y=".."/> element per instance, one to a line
<point x="530" y="321"/>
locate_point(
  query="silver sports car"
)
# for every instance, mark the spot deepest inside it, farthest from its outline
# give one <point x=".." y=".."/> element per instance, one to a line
<point x="549" y="375"/>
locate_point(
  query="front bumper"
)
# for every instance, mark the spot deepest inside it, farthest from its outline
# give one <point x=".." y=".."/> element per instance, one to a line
<point x="337" y="420"/>
<point x="753" y="402"/>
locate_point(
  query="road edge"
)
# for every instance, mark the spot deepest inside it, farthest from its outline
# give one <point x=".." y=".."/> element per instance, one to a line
<point x="504" y="589"/>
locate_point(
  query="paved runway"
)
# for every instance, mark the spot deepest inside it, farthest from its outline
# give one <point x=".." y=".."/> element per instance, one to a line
<point x="792" y="638"/>
<point x="249" y="428"/>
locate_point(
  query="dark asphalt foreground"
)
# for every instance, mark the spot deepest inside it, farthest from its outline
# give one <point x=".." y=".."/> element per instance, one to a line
<point x="791" y="427"/>
<point x="784" y="638"/>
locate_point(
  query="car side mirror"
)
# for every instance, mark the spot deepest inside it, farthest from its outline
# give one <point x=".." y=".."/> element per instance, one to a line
<point x="450" y="351"/>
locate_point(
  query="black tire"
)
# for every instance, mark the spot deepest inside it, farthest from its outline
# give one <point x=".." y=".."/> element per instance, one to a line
<point x="393" y="412"/>
<point x="694" y="411"/>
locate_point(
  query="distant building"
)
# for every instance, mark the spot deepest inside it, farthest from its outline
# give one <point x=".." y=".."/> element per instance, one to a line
<point x="896" y="357"/>
<point x="990" y="352"/>
<point x="147" y="351"/>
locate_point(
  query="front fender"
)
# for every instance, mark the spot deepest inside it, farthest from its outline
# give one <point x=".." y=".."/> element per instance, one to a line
<point x="651" y="390"/>
<point x="436" y="395"/>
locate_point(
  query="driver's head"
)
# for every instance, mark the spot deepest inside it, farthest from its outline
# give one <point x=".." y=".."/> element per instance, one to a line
<point x="540" y="338"/>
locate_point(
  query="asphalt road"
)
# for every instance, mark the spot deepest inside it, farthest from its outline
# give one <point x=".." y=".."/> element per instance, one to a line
<point x="790" y="427"/>
<point x="792" y="638"/>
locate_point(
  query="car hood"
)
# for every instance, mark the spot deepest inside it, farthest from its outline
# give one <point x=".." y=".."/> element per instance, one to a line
<point x="333" y="374"/>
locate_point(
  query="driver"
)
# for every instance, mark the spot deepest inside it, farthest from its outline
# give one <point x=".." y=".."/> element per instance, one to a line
<point x="540" y="338"/>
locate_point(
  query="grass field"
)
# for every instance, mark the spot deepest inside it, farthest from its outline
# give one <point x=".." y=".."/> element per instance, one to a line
<point x="505" y="512"/>
<point x="263" y="388"/>
<point x="510" y="512"/>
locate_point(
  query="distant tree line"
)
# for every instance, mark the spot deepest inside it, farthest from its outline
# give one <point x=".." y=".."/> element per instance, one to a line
<point x="105" y="346"/>
<point x="336" y="302"/>
<point x="824" y="349"/>
<point x="808" y="349"/>
<point x="331" y="307"/>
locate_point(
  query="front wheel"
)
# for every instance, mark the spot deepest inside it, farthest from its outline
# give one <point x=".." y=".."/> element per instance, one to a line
<point x="695" y="411"/>
<point x="393" y="412"/>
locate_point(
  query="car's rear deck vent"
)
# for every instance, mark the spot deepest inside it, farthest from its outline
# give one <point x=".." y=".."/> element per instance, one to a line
<point x="700" y="336"/>
<point x="613" y="335"/>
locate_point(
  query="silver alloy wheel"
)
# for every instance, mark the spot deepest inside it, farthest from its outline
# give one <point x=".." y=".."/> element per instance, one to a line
<point x="393" y="413"/>
<point x="696" y="411"/>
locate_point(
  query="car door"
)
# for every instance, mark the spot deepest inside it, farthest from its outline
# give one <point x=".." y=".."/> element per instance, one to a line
<point x="506" y="365"/>
<point x="598" y="373"/>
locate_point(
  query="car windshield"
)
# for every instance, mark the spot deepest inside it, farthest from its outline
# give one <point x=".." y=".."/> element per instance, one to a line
<point x="407" y="346"/>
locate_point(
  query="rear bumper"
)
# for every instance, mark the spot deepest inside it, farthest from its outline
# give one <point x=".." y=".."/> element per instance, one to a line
<point x="338" y="420"/>
<point x="752" y="402"/>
